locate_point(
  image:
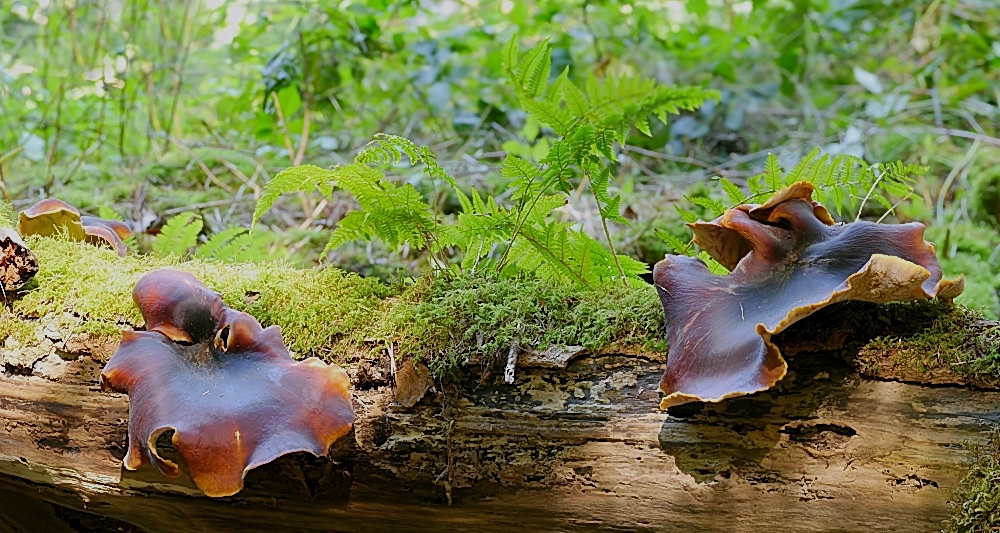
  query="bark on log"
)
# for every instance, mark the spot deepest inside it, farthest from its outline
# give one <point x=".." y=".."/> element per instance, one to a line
<point x="583" y="448"/>
<point x="17" y="262"/>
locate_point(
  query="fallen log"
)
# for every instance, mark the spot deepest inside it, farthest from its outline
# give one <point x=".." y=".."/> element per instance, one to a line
<point x="827" y="450"/>
<point x="581" y="447"/>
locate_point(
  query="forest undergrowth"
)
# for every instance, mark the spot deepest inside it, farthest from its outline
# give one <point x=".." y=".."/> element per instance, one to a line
<point x="496" y="148"/>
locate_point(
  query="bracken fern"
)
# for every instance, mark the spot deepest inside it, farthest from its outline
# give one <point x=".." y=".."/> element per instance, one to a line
<point x="526" y="234"/>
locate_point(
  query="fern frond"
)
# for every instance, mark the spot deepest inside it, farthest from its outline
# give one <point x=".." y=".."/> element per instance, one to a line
<point x="107" y="213"/>
<point x="394" y="214"/>
<point x="736" y="196"/>
<point x="713" y="206"/>
<point x="304" y="178"/>
<point x="178" y="235"/>
<point x="843" y="183"/>
<point x="772" y="173"/>
<point x="678" y="246"/>
<point x="210" y="248"/>
<point x="549" y="114"/>
<point x="805" y="168"/>
<point x="529" y="71"/>
<point x="523" y="175"/>
<point x="386" y="148"/>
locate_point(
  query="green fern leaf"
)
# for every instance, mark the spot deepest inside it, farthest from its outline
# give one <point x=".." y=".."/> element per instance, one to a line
<point x="107" y="213"/>
<point x="772" y="173"/>
<point x="178" y="235"/>
<point x="714" y="266"/>
<point x="734" y="193"/>
<point x="804" y="169"/>
<point x="756" y="185"/>
<point x="211" y="247"/>
<point x="678" y="246"/>
<point x="527" y="73"/>
<point x="686" y="216"/>
<point x="304" y="178"/>
<point x="713" y="206"/>
<point x="549" y="114"/>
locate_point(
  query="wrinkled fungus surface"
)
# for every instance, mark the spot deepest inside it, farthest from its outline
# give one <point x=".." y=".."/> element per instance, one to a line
<point x="52" y="216"/>
<point x="788" y="260"/>
<point x="227" y="387"/>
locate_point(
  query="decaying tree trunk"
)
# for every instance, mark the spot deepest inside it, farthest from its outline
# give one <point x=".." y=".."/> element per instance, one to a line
<point x="580" y="448"/>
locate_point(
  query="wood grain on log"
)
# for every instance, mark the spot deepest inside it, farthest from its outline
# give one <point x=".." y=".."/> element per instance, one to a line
<point x="582" y="448"/>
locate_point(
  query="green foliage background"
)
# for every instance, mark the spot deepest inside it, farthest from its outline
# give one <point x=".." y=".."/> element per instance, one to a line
<point x="154" y="110"/>
<point x="501" y="138"/>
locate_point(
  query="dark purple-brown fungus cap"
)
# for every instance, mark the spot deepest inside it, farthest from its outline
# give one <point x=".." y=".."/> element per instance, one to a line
<point x="52" y="216"/>
<point x="227" y="387"/>
<point x="788" y="260"/>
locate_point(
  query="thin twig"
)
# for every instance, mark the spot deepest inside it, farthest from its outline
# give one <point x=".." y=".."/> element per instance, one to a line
<point x="249" y="182"/>
<point x="284" y="127"/>
<point x="201" y="164"/>
<point x="949" y="132"/>
<point x="315" y="213"/>
<point x="951" y="179"/>
<point x="192" y="207"/>
<point x="869" y="194"/>
<point x="667" y="157"/>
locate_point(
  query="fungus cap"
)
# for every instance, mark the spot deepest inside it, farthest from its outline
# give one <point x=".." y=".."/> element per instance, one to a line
<point x="788" y="260"/>
<point x="52" y="216"/>
<point x="227" y="387"/>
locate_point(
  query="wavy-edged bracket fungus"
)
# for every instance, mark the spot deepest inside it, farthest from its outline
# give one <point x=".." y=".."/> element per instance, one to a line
<point x="788" y="259"/>
<point x="228" y="388"/>
<point x="52" y="216"/>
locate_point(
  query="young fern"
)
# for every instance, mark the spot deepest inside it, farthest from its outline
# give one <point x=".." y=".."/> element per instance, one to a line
<point x="236" y="245"/>
<point x="587" y="123"/>
<point x="527" y="232"/>
<point x="178" y="235"/>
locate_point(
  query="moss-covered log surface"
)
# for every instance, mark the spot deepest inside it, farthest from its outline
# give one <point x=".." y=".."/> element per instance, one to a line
<point x="873" y="429"/>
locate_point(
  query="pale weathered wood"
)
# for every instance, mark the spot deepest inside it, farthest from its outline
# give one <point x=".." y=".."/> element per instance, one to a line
<point x="578" y="449"/>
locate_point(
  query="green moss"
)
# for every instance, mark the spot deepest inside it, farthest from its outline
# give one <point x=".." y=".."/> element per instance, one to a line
<point x="933" y="342"/>
<point x="449" y="322"/>
<point x="455" y="321"/>
<point x="976" y="506"/>
<point x="315" y="308"/>
<point x="17" y="329"/>
<point x="332" y="314"/>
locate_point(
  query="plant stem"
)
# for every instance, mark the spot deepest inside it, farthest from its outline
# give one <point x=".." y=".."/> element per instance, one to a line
<point x="179" y="69"/>
<point x="604" y="222"/>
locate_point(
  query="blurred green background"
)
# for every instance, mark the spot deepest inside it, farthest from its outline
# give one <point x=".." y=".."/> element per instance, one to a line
<point x="151" y="108"/>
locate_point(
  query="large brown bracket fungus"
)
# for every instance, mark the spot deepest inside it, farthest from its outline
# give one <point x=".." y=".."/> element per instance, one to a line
<point x="228" y="388"/>
<point x="52" y="216"/>
<point x="788" y="259"/>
